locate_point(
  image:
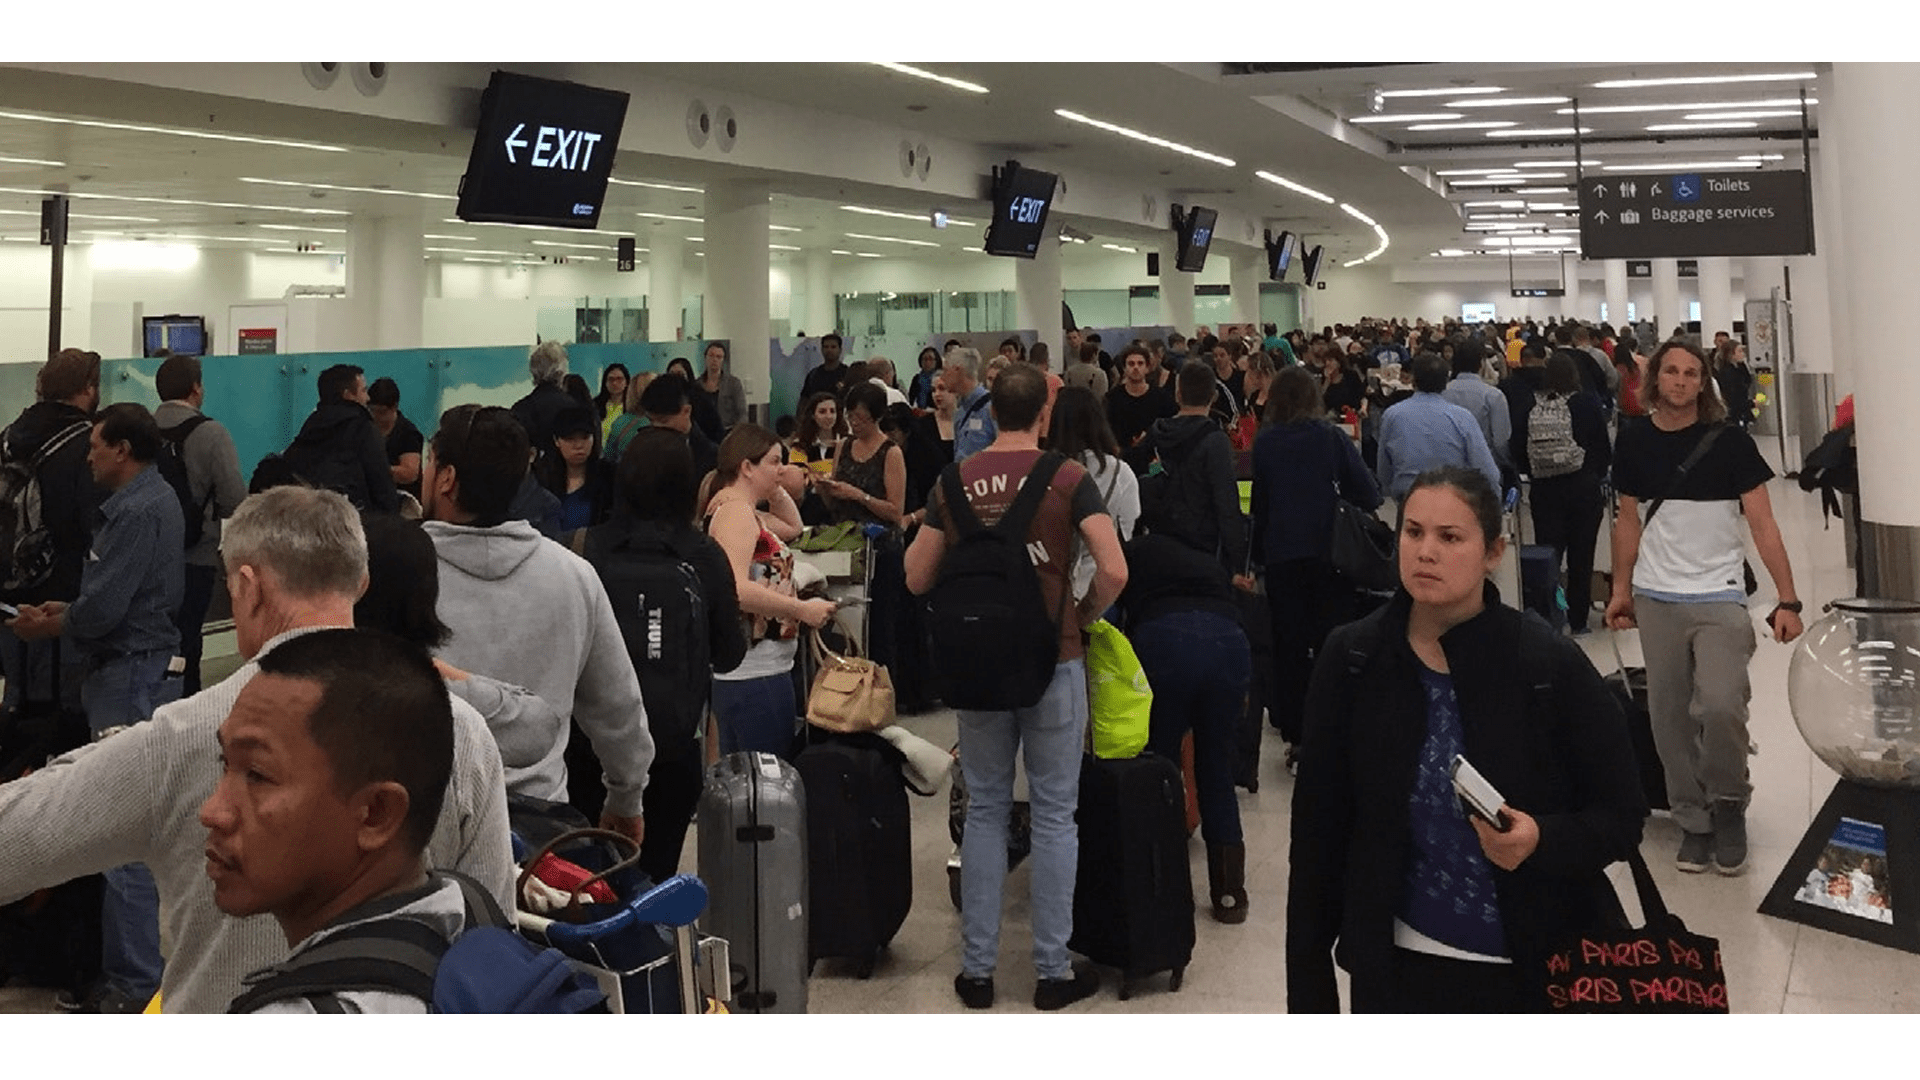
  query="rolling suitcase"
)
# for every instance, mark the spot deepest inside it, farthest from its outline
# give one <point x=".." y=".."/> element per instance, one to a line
<point x="859" y="846"/>
<point x="1629" y="687"/>
<point x="1133" y="893"/>
<point x="753" y="857"/>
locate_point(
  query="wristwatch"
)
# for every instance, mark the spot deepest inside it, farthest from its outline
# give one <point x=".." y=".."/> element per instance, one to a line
<point x="1794" y="606"/>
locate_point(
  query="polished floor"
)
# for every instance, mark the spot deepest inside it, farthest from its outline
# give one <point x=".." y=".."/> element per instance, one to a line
<point x="1773" y="966"/>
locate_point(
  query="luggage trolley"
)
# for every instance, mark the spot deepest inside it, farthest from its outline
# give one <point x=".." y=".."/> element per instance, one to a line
<point x="641" y="950"/>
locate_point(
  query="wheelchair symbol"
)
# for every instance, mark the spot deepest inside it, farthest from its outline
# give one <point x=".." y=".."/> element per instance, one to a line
<point x="1686" y="188"/>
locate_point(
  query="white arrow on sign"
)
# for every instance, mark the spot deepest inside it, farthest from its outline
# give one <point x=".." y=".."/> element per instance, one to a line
<point x="514" y="140"/>
<point x="1600" y="190"/>
<point x="1656" y="189"/>
<point x="1600" y="216"/>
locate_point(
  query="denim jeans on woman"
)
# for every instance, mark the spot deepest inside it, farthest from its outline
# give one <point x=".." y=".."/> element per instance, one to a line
<point x="1051" y="734"/>
<point x="1198" y="664"/>
<point x="756" y="714"/>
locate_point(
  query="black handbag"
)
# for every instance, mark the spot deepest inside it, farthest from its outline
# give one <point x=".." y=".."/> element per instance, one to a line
<point x="1661" y="967"/>
<point x="1363" y="548"/>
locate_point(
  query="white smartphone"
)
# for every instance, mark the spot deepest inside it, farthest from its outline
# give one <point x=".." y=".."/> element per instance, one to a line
<point x="1477" y="795"/>
<point x="9" y="611"/>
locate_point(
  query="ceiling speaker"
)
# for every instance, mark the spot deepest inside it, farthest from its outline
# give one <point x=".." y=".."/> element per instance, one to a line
<point x="320" y="75"/>
<point x="725" y="129"/>
<point x="925" y="165"/>
<point x="699" y="124"/>
<point x="370" y="79"/>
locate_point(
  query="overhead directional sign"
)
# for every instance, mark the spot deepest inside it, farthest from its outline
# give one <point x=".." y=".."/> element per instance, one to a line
<point x="1519" y="293"/>
<point x="1662" y="216"/>
<point x="542" y="152"/>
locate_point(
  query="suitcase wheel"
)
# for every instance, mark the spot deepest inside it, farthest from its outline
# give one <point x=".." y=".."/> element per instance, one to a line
<point x="864" y="969"/>
<point x="1126" y="989"/>
<point x="1173" y="981"/>
<point x="953" y="885"/>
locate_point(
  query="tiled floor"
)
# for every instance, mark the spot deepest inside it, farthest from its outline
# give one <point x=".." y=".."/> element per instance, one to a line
<point x="1773" y="966"/>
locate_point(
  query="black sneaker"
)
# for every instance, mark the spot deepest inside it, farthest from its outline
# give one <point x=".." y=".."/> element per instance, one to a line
<point x="78" y="1001"/>
<point x="974" y="993"/>
<point x="1052" y="994"/>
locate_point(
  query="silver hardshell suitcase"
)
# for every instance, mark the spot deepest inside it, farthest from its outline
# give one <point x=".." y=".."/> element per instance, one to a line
<point x="753" y="857"/>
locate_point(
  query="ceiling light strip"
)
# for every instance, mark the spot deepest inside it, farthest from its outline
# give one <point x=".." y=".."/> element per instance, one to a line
<point x="179" y="132"/>
<point x="1303" y="189"/>
<point x="1141" y="136"/>
<point x="1695" y="106"/>
<point x="1471" y="125"/>
<point x="1705" y="80"/>
<point x="655" y="186"/>
<point x="926" y="218"/>
<point x="921" y="73"/>
<point x="344" y="187"/>
<point x="1444" y="91"/>
<point x="1494" y="103"/>
<point x="1405" y="118"/>
<point x="890" y="239"/>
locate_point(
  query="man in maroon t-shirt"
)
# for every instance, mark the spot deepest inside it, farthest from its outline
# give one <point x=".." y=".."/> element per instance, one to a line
<point x="1053" y="731"/>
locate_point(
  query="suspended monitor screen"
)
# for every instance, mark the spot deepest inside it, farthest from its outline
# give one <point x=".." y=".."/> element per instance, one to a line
<point x="1195" y="233"/>
<point x="1310" y="265"/>
<point x="1021" y="199"/>
<point x="542" y="153"/>
<point x="1279" y="255"/>
<point x="184" y="335"/>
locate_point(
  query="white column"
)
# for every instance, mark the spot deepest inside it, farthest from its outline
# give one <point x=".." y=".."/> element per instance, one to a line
<point x="1244" y="272"/>
<point x="400" y="308"/>
<point x="1830" y="239"/>
<point x="1716" y="297"/>
<point x="665" y="253"/>
<point x="1176" y="289"/>
<point x="737" y="306"/>
<point x="1616" y="287"/>
<point x="1666" y="296"/>
<point x="819" y="318"/>
<point x="1879" y="231"/>
<point x="1037" y="298"/>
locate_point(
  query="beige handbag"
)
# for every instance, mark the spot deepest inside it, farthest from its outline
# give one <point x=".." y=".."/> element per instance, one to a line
<point x="850" y="694"/>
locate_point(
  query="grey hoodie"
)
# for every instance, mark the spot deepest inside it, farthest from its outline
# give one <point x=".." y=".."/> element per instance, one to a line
<point x="525" y="610"/>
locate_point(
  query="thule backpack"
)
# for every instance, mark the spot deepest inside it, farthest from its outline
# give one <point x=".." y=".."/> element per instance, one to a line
<point x="25" y="544"/>
<point x="172" y="464"/>
<point x="995" y="643"/>
<point x="1551" y="449"/>
<point x="661" y="608"/>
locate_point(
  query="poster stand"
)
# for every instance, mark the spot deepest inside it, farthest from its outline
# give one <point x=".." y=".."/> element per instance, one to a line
<point x="1864" y="840"/>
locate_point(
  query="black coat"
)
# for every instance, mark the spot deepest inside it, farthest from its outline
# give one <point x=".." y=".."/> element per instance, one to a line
<point x="340" y="449"/>
<point x="1539" y="725"/>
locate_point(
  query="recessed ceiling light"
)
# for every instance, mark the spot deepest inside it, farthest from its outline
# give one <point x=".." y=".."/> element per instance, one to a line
<point x="1553" y="206"/>
<point x="1724" y="125"/>
<point x="657" y="187"/>
<point x="838" y="251"/>
<point x="869" y="255"/>
<point x="1501" y="181"/>
<point x="670" y="217"/>
<point x="1499" y="204"/>
<point x="1756" y="114"/>
<point x="902" y="215"/>
<point x="1444" y="91"/>
<point x="300" y="228"/>
<point x="890" y="239"/>
<point x="783" y="228"/>
<point x="1695" y="106"/>
<point x="1588" y="162"/>
<point x="918" y="73"/>
<point x="1121" y="247"/>
<point x="782" y="247"/>
<point x="438" y="236"/>
<point x="32" y="161"/>
<point x="1141" y="136"/>
<point x="95" y="217"/>
<point x="1494" y="103"/>
<point x="1405" y="118"/>
<point x="1523" y="133"/>
<point x="1469" y="125"/>
<point x="1303" y="189"/>
<point x="1471" y="172"/>
<point x="1543" y="191"/>
<point x="1685" y="166"/>
<point x="1763" y="157"/>
<point x="1705" y="80"/>
<point x="180" y="132"/>
<point x="174" y="201"/>
<point x="469" y="251"/>
<point x="344" y="187"/>
<point x="563" y="244"/>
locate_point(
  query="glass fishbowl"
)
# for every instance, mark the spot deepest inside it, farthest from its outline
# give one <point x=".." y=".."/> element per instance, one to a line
<point x="1854" y="685"/>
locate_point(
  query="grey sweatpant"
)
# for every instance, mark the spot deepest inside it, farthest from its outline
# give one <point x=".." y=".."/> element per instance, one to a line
<point x="1697" y="692"/>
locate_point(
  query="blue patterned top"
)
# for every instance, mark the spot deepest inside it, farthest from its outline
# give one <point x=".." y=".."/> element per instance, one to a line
<point x="1450" y="893"/>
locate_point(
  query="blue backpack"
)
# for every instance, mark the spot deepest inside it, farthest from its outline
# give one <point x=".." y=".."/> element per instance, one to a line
<point x="488" y="968"/>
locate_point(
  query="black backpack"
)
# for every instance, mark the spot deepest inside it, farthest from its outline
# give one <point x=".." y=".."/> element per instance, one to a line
<point x="25" y="544"/>
<point x="172" y="463"/>
<point x="994" y="642"/>
<point x="1831" y="468"/>
<point x="661" y="608"/>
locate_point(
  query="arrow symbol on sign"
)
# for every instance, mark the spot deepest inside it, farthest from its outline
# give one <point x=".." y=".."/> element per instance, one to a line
<point x="1600" y="216"/>
<point x="514" y="140"/>
<point x="1600" y="191"/>
<point x="1656" y="189"/>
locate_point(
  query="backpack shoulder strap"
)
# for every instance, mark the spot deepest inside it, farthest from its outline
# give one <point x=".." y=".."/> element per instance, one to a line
<point x="959" y="508"/>
<point x="177" y="434"/>
<point x="1018" y="520"/>
<point x="52" y="446"/>
<point x="397" y="955"/>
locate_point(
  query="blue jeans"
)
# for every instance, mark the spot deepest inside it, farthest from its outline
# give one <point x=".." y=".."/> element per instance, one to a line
<point x="1052" y="735"/>
<point x="118" y="693"/>
<point x="1198" y="664"/>
<point x="756" y="714"/>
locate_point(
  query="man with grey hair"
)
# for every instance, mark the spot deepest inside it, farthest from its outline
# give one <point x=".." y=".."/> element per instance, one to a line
<point x="295" y="560"/>
<point x="548" y="366"/>
<point x="973" y="427"/>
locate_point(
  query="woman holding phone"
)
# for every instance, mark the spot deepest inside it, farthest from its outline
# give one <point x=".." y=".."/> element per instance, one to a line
<point x="1433" y="910"/>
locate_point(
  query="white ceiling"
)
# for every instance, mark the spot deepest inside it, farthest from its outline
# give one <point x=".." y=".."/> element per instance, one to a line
<point x="1296" y="124"/>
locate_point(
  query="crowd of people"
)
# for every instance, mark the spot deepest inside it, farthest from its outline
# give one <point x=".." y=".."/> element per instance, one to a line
<point x="498" y="568"/>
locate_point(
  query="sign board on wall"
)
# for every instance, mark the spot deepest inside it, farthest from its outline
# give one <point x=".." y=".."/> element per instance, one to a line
<point x="259" y="341"/>
<point x="1523" y="293"/>
<point x="1692" y="214"/>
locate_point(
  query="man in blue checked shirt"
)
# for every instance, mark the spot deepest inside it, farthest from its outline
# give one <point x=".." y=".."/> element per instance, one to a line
<point x="122" y="625"/>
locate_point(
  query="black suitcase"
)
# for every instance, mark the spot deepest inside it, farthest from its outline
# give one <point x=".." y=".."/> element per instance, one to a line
<point x="859" y="846"/>
<point x="1629" y="687"/>
<point x="1133" y="893"/>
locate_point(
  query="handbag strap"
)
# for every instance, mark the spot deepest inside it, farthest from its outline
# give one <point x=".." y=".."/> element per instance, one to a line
<point x="1653" y="907"/>
<point x="824" y="656"/>
<point x="619" y="840"/>
<point x="1679" y="475"/>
